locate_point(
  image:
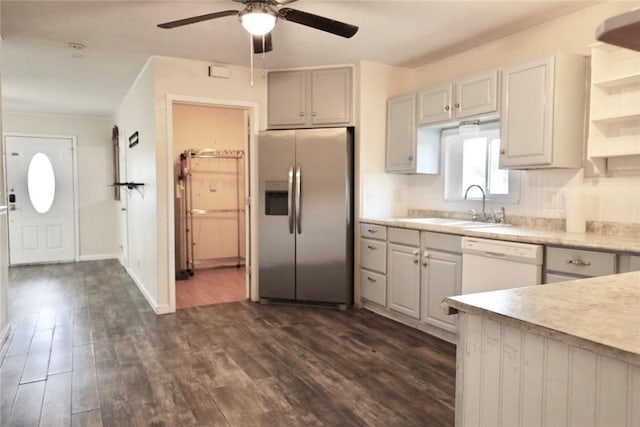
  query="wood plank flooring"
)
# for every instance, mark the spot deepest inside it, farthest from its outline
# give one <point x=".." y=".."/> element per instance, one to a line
<point x="86" y="350"/>
<point x="211" y="286"/>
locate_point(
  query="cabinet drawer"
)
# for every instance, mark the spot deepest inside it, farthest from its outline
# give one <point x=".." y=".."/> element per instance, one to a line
<point x="372" y="231"/>
<point x="441" y="241"/>
<point x="373" y="255"/>
<point x="555" y="278"/>
<point x="373" y="287"/>
<point x="580" y="262"/>
<point x="404" y="236"/>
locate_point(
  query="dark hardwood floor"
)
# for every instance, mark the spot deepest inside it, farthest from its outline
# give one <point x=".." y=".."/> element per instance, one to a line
<point x="86" y="350"/>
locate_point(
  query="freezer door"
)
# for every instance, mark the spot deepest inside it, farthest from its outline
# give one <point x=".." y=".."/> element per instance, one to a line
<point x="276" y="238"/>
<point x="324" y="225"/>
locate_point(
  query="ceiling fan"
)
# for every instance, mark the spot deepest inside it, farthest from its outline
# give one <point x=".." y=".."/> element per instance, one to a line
<point x="259" y="17"/>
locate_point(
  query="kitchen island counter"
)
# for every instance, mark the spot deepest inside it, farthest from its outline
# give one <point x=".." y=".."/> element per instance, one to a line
<point x="600" y="314"/>
<point x="560" y="354"/>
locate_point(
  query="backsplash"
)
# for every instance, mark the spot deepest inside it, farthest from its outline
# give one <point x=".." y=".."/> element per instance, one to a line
<point x="607" y="201"/>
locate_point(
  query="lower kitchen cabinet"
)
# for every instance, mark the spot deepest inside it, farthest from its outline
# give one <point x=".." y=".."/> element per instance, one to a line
<point x="373" y="287"/>
<point x="564" y="264"/>
<point x="441" y="278"/>
<point x="403" y="279"/>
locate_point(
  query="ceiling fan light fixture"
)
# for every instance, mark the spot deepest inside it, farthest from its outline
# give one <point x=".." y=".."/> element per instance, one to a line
<point x="258" y="20"/>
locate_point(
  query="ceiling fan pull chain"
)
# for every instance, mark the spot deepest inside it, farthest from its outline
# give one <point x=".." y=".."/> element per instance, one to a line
<point x="251" y="56"/>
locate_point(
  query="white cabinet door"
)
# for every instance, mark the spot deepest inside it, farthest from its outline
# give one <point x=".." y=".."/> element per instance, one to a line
<point x="331" y="96"/>
<point x="401" y="133"/>
<point x="527" y="111"/>
<point x="404" y="279"/>
<point x="477" y="95"/>
<point x="434" y="104"/>
<point x="441" y="278"/>
<point x="543" y="103"/>
<point x="287" y="101"/>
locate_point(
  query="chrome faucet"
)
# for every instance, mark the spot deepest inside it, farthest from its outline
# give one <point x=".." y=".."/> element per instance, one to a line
<point x="484" y="213"/>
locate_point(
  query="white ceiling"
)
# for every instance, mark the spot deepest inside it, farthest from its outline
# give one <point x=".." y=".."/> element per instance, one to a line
<point x="40" y="73"/>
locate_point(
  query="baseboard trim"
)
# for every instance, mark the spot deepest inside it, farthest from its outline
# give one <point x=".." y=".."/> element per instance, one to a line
<point x="158" y="309"/>
<point x="97" y="257"/>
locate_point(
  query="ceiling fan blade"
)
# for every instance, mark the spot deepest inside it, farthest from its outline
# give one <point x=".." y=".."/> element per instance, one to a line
<point x="318" y="22"/>
<point x="194" y="19"/>
<point x="259" y="47"/>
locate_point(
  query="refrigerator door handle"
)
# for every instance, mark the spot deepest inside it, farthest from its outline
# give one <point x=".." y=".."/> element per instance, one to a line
<point x="298" y="197"/>
<point x="290" y="199"/>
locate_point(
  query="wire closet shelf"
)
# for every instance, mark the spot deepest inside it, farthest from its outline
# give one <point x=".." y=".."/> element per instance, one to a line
<point x="187" y="168"/>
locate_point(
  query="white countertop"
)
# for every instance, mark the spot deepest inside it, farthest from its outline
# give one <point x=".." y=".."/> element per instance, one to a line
<point x="600" y="314"/>
<point x="614" y="243"/>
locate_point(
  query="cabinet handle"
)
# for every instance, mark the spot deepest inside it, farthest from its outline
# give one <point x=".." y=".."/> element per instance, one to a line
<point x="371" y="279"/>
<point x="502" y="151"/>
<point x="373" y="248"/>
<point x="447" y="108"/>
<point x="301" y="114"/>
<point x="372" y="230"/>
<point x="410" y="158"/>
<point x="425" y="259"/>
<point x="578" y="262"/>
<point x="415" y="260"/>
<point x="457" y="106"/>
<point x="314" y="114"/>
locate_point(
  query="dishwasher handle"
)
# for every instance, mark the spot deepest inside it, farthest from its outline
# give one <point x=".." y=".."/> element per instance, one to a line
<point x="495" y="254"/>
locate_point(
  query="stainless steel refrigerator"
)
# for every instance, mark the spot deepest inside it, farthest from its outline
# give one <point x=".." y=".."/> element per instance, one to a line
<point x="305" y="225"/>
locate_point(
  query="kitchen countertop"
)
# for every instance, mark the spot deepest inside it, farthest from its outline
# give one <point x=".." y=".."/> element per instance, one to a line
<point x="599" y="314"/>
<point x="614" y="243"/>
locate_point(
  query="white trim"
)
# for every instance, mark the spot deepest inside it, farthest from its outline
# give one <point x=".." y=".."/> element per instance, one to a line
<point x="158" y="309"/>
<point x="74" y="162"/>
<point x="317" y="67"/>
<point x="4" y="334"/>
<point x="251" y="142"/>
<point x="76" y="204"/>
<point x="135" y="82"/>
<point x="98" y="257"/>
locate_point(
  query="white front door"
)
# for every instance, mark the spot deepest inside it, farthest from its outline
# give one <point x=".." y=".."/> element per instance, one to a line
<point x="40" y="193"/>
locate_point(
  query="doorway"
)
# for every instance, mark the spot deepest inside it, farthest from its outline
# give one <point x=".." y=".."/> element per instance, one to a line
<point x="41" y="193"/>
<point x="210" y="179"/>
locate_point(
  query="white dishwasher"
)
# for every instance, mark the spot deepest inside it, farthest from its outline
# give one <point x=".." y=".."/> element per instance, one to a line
<point x="489" y="265"/>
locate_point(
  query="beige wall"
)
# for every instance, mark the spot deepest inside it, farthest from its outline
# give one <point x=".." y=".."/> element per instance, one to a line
<point x="542" y="192"/>
<point x="151" y="227"/>
<point x="137" y="113"/>
<point x="213" y="181"/>
<point x="189" y="79"/>
<point x="96" y="205"/>
<point x="4" y="258"/>
<point x="376" y="189"/>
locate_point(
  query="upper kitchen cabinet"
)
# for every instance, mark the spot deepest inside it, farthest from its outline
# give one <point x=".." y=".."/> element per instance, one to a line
<point x="543" y="111"/>
<point x="409" y="150"/>
<point x="310" y="98"/>
<point x="614" y="128"/>
<point x="462" y="99"/>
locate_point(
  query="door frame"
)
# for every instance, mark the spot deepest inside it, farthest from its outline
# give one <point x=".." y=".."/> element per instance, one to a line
<point x="74" y="164"/>
<point x="251" y="186"/>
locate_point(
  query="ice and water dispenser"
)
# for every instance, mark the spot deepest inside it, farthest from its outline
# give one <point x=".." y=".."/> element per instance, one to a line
<point x="276" y="198"/>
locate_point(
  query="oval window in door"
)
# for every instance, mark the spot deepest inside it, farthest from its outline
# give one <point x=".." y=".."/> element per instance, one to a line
<point x="41" y="183"/>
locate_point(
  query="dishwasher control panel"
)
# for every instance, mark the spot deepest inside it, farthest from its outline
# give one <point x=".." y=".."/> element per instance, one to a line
<point x="522" y="252"/>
